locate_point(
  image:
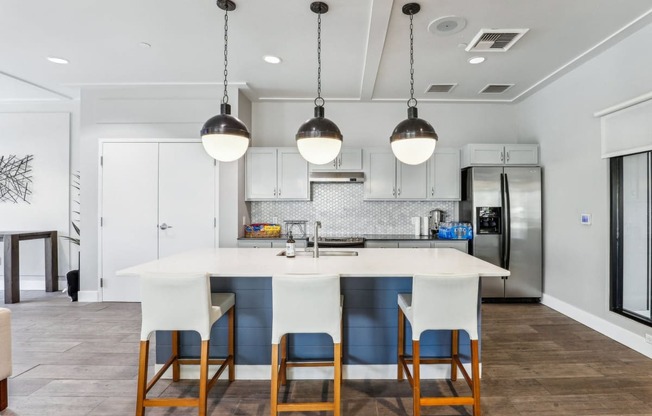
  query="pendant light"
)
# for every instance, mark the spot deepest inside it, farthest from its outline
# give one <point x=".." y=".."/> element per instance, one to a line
<point x="225" y="137"/>
<point x="319" y="140"/>
<point x="413" y="140"/>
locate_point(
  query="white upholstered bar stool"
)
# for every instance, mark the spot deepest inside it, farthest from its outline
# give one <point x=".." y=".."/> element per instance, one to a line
<point x="305" y="303"/>
<point x="443" y="302"/>
<point x="182" y="302"/>
<point x="5" y="355"/>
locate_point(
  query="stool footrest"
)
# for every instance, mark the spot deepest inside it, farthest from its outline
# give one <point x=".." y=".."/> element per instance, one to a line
<point x="165" y="402"/>
<point x="309" y="406"/>
<point x="290" y="364"/>
<point x="446" y="401"/>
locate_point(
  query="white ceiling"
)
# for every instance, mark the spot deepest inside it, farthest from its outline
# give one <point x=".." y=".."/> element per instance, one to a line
<point x="364" y="46"/>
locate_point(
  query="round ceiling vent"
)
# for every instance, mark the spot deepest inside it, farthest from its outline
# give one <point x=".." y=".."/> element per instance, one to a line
<point x="447" y="25"/>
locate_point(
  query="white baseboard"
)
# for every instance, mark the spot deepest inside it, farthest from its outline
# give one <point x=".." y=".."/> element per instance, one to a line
<point x="34" y="283"/>
<point x="88" y="296"/>
<point x="613" y="331"/>
<point x="349" y="372"/>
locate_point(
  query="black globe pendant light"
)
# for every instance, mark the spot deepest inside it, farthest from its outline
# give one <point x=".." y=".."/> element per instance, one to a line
<point x="225" y="137"/>
<point x="414" y="139"/>
<point x="319" y="140"/>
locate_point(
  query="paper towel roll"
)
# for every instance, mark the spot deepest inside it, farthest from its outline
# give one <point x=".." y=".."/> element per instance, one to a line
<point x="416" y="222"/>
<point x="425" y="226"/>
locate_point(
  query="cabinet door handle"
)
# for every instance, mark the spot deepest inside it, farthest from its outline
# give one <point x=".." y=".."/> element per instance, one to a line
<point x="433" y="191"/>
<point x="394" y="191"/>
<point x="164" y="226"/>
<point x="335" y="162"/>
<point x="508" y="156"/>
<point x="274" y="191"/>
<point x="502" y="156"/>
<point x="279" y="191"/>
<point x="339" y="163"/>
<point x="399" y="191"/>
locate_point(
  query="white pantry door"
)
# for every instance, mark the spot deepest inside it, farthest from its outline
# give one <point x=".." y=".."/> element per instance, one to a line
<point x="144" y="186"/>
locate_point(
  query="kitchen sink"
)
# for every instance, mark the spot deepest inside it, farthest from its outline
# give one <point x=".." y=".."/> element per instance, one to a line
<point x="322" y="253"/>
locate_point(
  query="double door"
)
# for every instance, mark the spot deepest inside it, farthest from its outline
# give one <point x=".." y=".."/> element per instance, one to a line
<point x="157" y="199"/>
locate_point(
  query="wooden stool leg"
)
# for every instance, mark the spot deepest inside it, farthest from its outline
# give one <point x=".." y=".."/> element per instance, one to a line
<point x="455" y="347"/>
<point x="273" y="397"/>
<point x="142" y="378"/>
<point x="475" y="369"/>
<point x="4" y="395"/>
<point x="176" y="369"/>
<point x="203" y="379"/>
<point x="401" y="344"/>
<point x="337" y="378"/>
<point x="416" y="379"/>
<point x="284" y="359"/>
<point x="231" y="352"/>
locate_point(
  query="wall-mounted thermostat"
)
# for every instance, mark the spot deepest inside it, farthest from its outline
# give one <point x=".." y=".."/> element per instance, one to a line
<point x="585" y="219"/>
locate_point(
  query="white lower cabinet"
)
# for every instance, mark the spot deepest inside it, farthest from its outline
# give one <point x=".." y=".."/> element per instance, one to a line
<point x="157" y="199"/>
<point x="273" y="173"/>
<point x="462" y="245"/>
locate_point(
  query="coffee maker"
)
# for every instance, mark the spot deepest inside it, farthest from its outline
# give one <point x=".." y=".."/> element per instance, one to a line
<point x="436" y="217"/>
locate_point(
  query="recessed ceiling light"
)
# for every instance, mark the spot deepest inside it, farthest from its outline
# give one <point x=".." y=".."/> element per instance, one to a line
<point x="272" y="59"/>
<point x="144" y="45"/>
<point x="60" y="61"/>
<point x="476" y="60"/>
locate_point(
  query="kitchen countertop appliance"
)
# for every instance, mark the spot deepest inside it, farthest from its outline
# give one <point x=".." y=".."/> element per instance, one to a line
<point x="354" y="242"/>
<point x="437" y="216"/>
<point x="504" y="206"/>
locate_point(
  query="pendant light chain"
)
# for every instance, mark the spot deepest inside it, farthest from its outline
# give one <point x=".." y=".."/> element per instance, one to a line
<point x="225" y="99"/>
<point x="412" y="102"/>
<point x="319" y="101"/>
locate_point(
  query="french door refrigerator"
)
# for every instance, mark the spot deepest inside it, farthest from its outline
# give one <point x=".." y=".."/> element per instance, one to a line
<point x="504" y="206"/>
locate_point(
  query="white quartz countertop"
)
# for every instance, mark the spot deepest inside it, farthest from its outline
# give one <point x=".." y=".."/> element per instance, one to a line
<point x="371" y="262"/>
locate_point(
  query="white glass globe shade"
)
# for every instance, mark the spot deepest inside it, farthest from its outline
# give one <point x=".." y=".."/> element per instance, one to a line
<point x="225" y="147"/>
<point x="319" y="150"/>
<point x="413" y="151"/>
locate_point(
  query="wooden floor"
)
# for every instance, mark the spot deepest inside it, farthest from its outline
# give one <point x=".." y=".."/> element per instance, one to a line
<point x="80" y="359"/>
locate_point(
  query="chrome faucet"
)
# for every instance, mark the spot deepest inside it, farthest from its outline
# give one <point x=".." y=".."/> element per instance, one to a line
<point x="315" y="252"/>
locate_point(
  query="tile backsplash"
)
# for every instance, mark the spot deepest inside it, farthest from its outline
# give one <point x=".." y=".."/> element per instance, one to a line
<point x="342" y="211"/>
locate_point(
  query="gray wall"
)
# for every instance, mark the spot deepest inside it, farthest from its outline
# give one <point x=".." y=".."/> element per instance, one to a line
<point x="560" y="117"/>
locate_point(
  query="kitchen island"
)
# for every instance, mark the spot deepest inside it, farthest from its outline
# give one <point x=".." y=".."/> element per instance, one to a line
<point x="370" y="284"/>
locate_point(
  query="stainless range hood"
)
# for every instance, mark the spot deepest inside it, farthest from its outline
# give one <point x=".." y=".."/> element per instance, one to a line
<point x="350" y="177"/>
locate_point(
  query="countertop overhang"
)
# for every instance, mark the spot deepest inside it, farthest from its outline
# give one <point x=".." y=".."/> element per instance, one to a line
<point x="370" y="262"/>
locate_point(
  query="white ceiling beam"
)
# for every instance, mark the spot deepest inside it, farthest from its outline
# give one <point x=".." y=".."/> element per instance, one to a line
<point x="381" y="11"/>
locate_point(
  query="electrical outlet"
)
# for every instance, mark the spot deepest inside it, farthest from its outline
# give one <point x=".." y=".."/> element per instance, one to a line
<point x="648" y="338"/>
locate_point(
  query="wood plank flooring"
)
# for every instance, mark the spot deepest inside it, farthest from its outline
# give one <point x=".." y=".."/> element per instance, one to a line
<point x="80" y="359"/>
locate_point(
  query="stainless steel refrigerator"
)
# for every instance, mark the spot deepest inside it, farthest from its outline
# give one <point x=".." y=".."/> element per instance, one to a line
<point x="504" y="206"/>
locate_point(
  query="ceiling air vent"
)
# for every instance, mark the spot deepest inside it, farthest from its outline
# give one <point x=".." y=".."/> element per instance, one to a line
<point x="441" y="87"/>
<point x="496" y="88"/>
<point x="495" y="40"/>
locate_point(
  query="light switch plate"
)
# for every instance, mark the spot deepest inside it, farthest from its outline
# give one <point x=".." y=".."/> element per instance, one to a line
<point x="585" y="219"/>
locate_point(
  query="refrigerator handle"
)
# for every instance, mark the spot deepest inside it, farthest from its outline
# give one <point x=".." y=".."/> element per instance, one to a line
<point x="502" y="222"/>
<point x="508" y="224"/>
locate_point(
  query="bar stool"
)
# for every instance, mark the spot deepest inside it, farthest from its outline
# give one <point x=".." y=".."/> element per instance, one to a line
<point x="5" y="355"/>
<point x="305" y="304"/>
<point x="182" y="302"/>
<point x="444" y="302"/>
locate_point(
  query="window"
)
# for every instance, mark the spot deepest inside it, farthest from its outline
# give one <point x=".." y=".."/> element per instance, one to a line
<point x="631" y="236"/>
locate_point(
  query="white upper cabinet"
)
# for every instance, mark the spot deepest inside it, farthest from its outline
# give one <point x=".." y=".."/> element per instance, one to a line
<point x="387" y="178"/>
<point x="500" y="154"/>
<point x="411" y="181"/>
<point x="349" y="159"/>
<point x="276" y="173"/>
<point x="380" y="180"/>
<point x="444" y="175"/>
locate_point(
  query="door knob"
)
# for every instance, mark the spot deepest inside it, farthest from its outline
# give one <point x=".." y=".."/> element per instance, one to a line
<point x="164" y="226"/>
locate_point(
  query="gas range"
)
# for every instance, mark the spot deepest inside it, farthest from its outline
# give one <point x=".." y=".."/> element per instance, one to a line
<point x="337" y="242"/>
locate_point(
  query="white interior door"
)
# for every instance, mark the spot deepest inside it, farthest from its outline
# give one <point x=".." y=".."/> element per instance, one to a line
<point x="129" y="212"/>
<point x="186" y="198"/>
